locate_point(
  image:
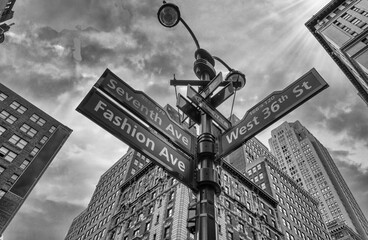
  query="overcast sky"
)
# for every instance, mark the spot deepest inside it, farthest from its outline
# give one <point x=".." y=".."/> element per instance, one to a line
<point x="58" y="49"/>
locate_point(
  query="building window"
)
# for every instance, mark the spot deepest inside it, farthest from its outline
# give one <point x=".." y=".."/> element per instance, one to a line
<point x="2" y="193"/>
<point x="356" y="21"/>
<point x="7" y="154"/>
<point x="150" y="210"/>
<point x="18" y="107"/>
<point x="171" y="196"/>
<point x="24" y="164"/>
<point x="231" y="235"/>
<point x="2" y="130"/>
<point x="241" y="227"/>
<point x="268" y="233"/>
<point x="136" y="233"/>
<point x="7" y="117"/>
<point x="167" y="232"/>
<point x="228" y="219"/>
<point x="17" y="141"/>
<point x="148" y="226"/>
<point x="37" y="119"/>
<point x="169" y="212"/>
<point x="28" y="130"/>
<point x="34" y="151"/>
<point x="3" y="96"/>
<point x="237" y="197"/>
<point x="52" y="129"/>
<point x="14" y="177"/>
<point x="43" y="139"/>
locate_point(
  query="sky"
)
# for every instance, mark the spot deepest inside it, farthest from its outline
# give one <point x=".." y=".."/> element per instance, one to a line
<point x="58" y="49"/>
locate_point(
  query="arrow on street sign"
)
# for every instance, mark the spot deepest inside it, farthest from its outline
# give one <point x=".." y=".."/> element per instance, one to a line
<point x="201" y="102"/>
<point x="146" y="109"/>
<point x="119" y="123"/>
<point x="222" y="95"/>
<point x="271" y="109"/>
<point x="187" y="107"/>
<point x="174" y="114"/>
<point x="212" y="85"/>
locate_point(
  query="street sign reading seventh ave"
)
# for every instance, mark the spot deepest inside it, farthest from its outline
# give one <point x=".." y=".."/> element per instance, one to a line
<point x="271" y="109"/>
<point x="119" y="123"/>
<point x="146" y="109"/>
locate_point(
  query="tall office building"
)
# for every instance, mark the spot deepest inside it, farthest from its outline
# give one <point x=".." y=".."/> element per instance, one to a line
<point x="308" y="162"/>
<point x="298" y="210"/>
<point x="341" y="27"/>
<point x="146" y="203"/>
<point x="29" y="141"/>
<point x="93" y="222"/>
<point x="247" y="153"/>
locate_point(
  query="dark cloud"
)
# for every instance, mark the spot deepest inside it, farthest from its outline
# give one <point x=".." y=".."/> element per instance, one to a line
<point x="161" y="64"/>
<point x="352" y="121"/>
<point x="105" y="16"/>
<point x="95" y="53"/>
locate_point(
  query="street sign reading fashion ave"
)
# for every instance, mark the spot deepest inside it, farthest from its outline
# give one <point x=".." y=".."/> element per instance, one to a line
<point x="201" y="102"/>
<point x="146" y="109"/>
<point x="271" y="109"/>
<point x="119" y="123"/>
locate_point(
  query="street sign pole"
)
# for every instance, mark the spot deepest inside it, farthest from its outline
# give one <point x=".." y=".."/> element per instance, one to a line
<point x="207" y="176"/>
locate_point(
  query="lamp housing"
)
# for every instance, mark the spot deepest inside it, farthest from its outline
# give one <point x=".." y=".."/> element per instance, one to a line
<point x="238" y="79"/>
<point x="168" y="15"/>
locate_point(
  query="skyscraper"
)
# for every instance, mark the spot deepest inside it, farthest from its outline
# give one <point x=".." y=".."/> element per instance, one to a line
<point x="308" y="162"/>
<point x="298" y="210"/>
<point x="29" y="141"/>
<point x="341" y="27"/>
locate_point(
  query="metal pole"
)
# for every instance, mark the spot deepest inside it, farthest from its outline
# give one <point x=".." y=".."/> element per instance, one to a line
<point x="208" y="184"/>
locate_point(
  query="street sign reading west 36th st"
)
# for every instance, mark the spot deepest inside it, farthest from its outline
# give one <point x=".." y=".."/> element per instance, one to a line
<point x="147" y="110"/>
<point x="271" y="109"/>
<point x="119" y="123"/>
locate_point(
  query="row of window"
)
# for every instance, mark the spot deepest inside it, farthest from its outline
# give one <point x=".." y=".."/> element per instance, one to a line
<point x="166" y="233"/>
<point x="11" y="118"/>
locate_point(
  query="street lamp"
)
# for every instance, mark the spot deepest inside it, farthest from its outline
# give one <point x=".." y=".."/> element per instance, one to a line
<point x="169" y="16"/>
<point x="207" y="177"/>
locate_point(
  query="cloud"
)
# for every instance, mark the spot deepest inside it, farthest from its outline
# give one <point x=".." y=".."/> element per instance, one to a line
<point x="66" y="14"/>
<point x="266" y="40"/>
<point x="42" y="219"/>
<point x="352" y="121"/>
